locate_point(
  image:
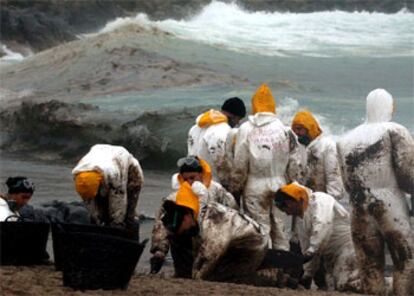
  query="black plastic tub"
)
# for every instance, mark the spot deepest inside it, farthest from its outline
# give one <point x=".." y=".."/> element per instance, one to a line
<point x="23" y="243"/>
<point x="95" y="257"/>
<point x="60" y="231"/>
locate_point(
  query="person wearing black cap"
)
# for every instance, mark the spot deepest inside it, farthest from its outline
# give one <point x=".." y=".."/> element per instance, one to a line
<point x="20" y="191"/>
<point x="234" y="109"/>
<point x="207" y="138"/>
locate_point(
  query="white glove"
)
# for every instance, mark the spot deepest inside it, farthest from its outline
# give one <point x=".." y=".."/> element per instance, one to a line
<point x="308" y="255"/>
<point x="200" y="190"/>
<point x="309" y="252"/>
<point x="175" y="184"/>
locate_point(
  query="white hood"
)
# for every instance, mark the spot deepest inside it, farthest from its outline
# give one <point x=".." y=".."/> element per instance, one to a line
<point x="379" y="106"/>
<point x="262" y="118"/>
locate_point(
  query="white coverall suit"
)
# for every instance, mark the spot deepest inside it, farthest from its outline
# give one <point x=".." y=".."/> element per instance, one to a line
<point x="5" y="211"/>
<point x="378" y="168"/>
<point x="214" y="193"/>
<point x="322" y="170"/>
<point x="325" y="232"/>
<point x="266" y="157"/>
<point x="229" y="244"/>
<point x="226" y="164"/>
<point x="123" y="177"/>
<point x="207" y="139"/>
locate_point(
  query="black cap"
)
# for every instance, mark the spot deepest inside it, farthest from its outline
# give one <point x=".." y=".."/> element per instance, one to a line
<point x="234" y="106"/>
<point x="189" y="163"/>
<point x="19" y="185"/>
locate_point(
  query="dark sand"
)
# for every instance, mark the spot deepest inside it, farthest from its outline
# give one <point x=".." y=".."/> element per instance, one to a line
<point x="44" y="280"/>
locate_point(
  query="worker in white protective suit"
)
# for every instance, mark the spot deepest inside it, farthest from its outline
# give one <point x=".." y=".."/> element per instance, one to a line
<point x="197" y="173"/>
<point x="226" y="163"/>
<point x="378" y="168"/>
<point x="193" y="168"/>
<point x="324" y="231"/>
<point x="207" y="138"/>
<point x="109" y="179"/>
<point x="321" y="166"/>
<point x="322" y="171"/>
<point x="210" y="241"/>
<point x="266" y="158"/>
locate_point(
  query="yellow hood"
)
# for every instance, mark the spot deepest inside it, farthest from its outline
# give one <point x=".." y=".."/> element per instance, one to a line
<point x="206" y="174"/>
<point x="297" y="192"/>
<point x="306" y="119"/>
<point x="211" y="117"/>
<point x="263" y="100"/>
<point x="187" y="198"/>
<point x="87" y="184"/>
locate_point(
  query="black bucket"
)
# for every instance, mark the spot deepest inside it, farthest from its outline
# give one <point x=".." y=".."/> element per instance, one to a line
<point x="60" y="230"/>
<point x="23" y="243"/>
<point x="96" y="257"/>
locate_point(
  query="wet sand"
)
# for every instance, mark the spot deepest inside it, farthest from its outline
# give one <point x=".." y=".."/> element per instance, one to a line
<point x="44" y="280"/>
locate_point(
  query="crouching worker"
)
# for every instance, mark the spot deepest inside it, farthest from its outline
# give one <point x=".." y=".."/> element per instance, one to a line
<point x="109" y="179"/>
<point x="324" y="232"/>
<point x="20" y="191"/>
<point x="197" y="173"/>
<point x="210" y="241"/>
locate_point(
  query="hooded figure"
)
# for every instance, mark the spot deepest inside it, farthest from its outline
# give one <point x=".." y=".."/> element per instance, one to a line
<point x="109" y="179"/>
<point x="322" y="171"/>
<point x="210" y="241"/>
<point x="20" y="191"/>
<point x="197" y="173"/>
<point x="266" y="158"/>
<point x="324" y="231"/>
<point x="192" y="169"/>
<point x="207" y="138"/>
<point x="378" y="168"/>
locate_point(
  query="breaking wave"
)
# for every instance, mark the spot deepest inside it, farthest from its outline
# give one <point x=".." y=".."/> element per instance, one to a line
<point x="67" y="131"/>
<point x="9" y="56"/>
<point x="322" y="34"/>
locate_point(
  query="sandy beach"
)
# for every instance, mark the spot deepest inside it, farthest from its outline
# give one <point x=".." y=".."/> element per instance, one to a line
<point x="44" y="280"/>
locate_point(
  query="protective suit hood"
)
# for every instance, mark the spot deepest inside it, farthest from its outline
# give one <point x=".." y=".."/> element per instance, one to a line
<point x="308" y="121"/>
<point x="298" y="193"/>
<point x="263" y="100"/>
<point x="87" y="183"/>
<point x="262" y="118"/>
<point x="206" y="174"/>
<point x="187" y="198"/>
<point x="379" y="106"/>
<point x="210" y="118"/>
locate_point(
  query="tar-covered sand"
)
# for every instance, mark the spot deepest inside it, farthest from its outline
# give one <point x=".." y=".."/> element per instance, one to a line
<point x="44" y="280"/>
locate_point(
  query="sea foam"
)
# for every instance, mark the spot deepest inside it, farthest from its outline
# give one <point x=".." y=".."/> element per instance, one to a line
<point x="320" y="34"/>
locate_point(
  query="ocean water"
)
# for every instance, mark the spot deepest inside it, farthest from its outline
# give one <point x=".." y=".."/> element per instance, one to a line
<point x="326" y="62"/>
<point x="320" y="34"/>
<point x="9" y="55"/>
